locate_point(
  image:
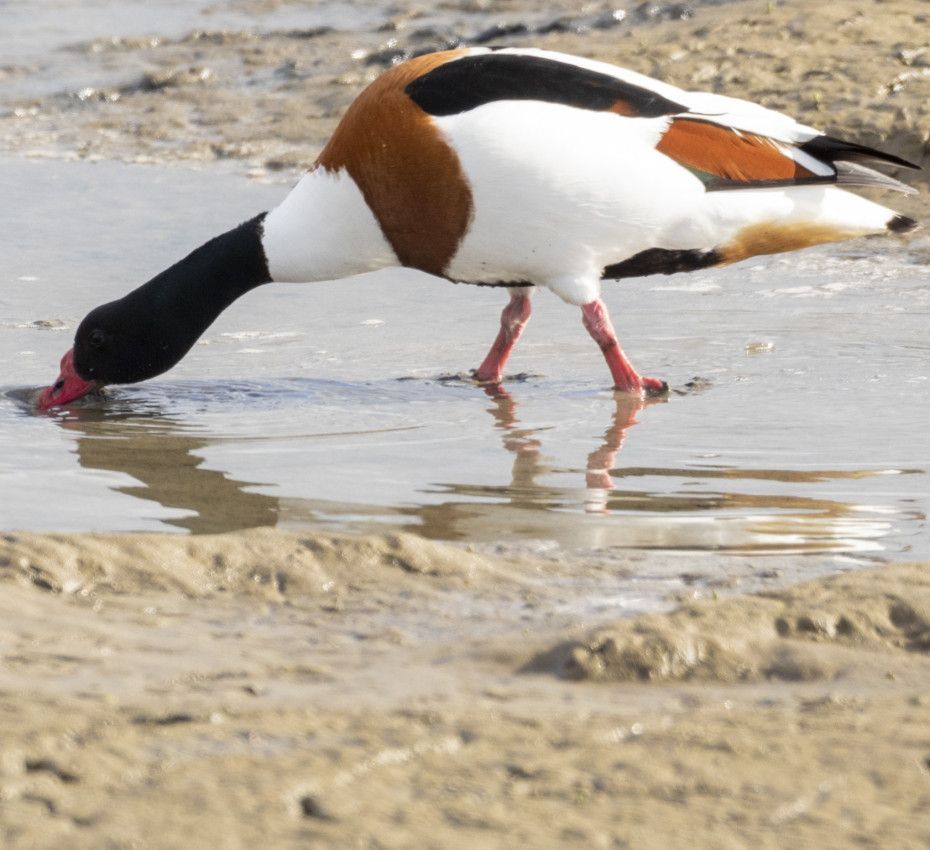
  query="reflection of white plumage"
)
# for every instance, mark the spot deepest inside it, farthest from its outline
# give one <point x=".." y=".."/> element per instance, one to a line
<point x="517" y="168"/>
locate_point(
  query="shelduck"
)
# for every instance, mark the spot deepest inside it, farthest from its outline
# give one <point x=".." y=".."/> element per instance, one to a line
<point x="515" y="168"/>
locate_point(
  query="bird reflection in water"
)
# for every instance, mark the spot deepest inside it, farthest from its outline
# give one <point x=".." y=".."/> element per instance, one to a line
<point x="528" y="465"/>
<point x="162" y="455"/>
<point x="608" y="511"/>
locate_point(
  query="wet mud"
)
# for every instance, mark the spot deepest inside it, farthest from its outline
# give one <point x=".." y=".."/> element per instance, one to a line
<point x="288" y="690"/>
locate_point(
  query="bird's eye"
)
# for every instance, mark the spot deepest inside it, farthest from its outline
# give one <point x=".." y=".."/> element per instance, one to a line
<point x="97" y="339"/>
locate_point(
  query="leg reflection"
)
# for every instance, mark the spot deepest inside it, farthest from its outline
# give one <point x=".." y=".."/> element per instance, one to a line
<point x="603" y="460"/>
<point x="526" y="446"/>
<point x="521" y="442"/>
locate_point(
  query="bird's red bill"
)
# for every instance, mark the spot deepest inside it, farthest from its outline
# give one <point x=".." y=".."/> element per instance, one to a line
<point x="67" y="388"/>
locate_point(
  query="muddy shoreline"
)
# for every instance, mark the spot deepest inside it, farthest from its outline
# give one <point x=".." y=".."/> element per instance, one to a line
<point x="162" y="707"/>
<point x="152" y="693"/>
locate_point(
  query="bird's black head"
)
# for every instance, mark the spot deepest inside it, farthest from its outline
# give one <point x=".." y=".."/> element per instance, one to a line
<point x="119" y="344"/>
<point x="149" y="330"/>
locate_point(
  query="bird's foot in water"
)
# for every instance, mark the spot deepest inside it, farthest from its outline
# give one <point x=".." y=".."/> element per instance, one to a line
<point x="643" y="387"/>
<point x="485" y="376"/>
<point x="654" y="387"/>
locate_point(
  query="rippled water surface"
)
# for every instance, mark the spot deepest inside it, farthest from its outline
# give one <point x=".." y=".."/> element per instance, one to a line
<point x="797" y="423"/>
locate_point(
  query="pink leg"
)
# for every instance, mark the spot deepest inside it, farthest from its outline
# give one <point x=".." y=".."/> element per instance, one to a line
<point x="514" y="318"/>
<point x="596" y="320"/>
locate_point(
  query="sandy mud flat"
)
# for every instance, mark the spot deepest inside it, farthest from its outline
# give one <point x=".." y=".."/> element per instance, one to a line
<point x="278" y="690"/>
<point x="269" y="688"/>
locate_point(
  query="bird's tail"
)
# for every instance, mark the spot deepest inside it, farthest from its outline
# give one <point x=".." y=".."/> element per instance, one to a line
<point x="769" y="221"/>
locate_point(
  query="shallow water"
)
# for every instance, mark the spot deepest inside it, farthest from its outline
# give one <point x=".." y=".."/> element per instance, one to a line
<point x="797" y="421"/>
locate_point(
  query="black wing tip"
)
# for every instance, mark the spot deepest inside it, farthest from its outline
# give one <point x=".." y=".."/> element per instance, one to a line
<point x="901" y="224"/>
<point x="832" y="149"/>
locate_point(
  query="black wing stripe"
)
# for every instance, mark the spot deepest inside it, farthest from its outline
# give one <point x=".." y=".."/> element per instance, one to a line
<point x="469" y="82"/>
<point x="662" y="261"/>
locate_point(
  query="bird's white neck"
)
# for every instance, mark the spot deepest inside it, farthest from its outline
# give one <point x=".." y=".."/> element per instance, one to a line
<point x="324" y="230"/>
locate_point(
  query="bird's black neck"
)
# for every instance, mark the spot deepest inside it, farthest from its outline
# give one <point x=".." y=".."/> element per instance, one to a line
<point x="195" y="290"/>
<point x="149" y="330"/>
<point x="184" y="300"/>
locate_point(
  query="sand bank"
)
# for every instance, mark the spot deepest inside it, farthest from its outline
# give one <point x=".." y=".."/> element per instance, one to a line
<point x="280" y="690"/>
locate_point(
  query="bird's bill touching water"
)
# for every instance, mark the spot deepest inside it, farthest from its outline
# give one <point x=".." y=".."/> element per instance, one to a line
<point x="69" y="387"/>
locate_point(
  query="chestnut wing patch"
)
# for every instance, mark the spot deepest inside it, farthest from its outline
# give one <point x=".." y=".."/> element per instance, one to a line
<point x="724" y="158"/>
<point x="472" y="81"/>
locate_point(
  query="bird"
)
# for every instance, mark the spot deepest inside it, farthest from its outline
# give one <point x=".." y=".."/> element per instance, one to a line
<point x="518" y="168"/>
